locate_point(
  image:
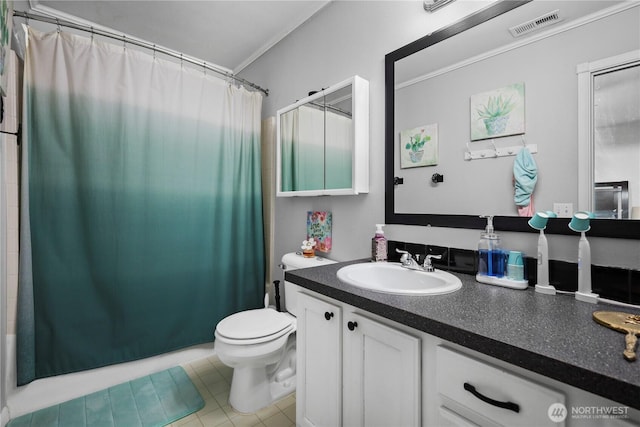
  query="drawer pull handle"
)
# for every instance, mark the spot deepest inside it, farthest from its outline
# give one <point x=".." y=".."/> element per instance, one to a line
<point x="328" y="315"/>
<point x="505" y="405"/>
<point x="352" y="325"/>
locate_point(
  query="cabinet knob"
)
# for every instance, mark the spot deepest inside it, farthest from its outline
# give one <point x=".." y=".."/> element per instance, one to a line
<point x="352" y="325"/>
<point x="328" y="315"/>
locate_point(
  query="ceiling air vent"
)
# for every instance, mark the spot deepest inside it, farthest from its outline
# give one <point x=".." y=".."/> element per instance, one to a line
<point x="535" y="24"/>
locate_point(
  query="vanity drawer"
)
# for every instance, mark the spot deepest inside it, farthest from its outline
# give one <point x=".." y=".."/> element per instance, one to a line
<point x="488" y="395"/>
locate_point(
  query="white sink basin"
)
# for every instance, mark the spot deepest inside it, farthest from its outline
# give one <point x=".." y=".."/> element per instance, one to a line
<point x="392" y="278"/>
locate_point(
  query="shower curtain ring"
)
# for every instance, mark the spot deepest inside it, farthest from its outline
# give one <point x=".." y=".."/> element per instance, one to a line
<point x="58" y="25"/>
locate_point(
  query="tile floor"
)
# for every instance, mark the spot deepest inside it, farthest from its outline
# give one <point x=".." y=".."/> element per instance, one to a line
<point x="213" y="380"/>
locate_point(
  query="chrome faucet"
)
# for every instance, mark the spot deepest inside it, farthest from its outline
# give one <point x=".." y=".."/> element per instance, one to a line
<point x="407" y="261"/>
<point x="427" y="263"/>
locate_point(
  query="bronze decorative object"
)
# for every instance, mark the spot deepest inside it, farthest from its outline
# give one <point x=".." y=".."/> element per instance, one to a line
<point x="622" y="322"/>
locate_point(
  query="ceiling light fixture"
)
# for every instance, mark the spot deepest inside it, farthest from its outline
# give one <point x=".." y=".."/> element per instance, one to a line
<point x="433" y="5"/>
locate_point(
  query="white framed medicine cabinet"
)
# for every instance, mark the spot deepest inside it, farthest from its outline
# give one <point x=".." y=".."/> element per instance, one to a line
<point x="323" y="142"/>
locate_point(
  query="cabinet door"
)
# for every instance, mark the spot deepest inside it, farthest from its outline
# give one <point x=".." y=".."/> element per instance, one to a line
<point x="319" y="370"/>
<point x="381" y="375"/>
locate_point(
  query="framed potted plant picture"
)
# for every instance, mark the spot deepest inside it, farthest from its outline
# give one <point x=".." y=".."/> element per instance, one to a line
<point x="498" y="113"/>
<point x="419" y="146"/>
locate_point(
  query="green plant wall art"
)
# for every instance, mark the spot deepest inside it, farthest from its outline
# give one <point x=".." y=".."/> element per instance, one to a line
<point x="419" y="146"/>
<point x="498" y="112"/>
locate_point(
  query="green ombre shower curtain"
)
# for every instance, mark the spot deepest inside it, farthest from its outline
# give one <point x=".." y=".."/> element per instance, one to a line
<point x="142" y="220"/>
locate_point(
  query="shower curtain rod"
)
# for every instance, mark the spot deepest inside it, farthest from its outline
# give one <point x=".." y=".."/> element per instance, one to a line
<point x="137" y="42"/>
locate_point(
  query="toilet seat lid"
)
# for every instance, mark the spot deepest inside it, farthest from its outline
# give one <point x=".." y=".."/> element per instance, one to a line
<point x="252" y="324"/>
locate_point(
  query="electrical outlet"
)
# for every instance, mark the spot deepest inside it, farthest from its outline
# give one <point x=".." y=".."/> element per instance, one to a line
<point x="563" y="210"/>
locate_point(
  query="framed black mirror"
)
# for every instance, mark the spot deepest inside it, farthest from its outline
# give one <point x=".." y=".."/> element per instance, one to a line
<point x="395" y="213"/>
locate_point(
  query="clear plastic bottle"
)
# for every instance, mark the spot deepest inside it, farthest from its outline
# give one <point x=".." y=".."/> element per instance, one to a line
<point x="379" y="245"/>
<point x="491" y="256"/>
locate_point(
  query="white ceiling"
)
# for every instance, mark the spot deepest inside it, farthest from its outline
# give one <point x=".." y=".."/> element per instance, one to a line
<point x="228" y="33"/>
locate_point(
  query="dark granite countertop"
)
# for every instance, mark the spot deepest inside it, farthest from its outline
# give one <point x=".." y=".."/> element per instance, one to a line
<point x="552" y="335"/>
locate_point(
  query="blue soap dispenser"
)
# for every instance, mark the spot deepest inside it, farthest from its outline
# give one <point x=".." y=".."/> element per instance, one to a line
<point x="492" y="261"/>
<point x="490" y="254"/>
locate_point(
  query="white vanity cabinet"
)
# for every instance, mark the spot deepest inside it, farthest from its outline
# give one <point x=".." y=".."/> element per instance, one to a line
<point x="319" y="363"/>
<point x="353" y="370"/>
<point x="472" y="392"/>
<point x="357" y="369"/>
<point x="381" y="374"/>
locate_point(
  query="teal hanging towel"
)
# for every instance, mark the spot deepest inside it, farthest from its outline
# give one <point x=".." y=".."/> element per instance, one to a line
<point x="525" y="176"/>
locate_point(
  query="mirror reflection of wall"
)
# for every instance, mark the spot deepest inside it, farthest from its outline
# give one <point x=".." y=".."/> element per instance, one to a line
<point x="545" y="62"/>
<point x="339" y="149"/>
<point x="616" y="139"/>
<point x="339" y="139"/>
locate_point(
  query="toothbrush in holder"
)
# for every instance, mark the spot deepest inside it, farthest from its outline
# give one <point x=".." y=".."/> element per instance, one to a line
<point x="539" y="222"/>
<point x="580" y="223"/>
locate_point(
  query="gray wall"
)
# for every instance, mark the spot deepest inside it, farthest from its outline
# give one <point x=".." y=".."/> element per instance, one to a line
<point x="352" y="37"/>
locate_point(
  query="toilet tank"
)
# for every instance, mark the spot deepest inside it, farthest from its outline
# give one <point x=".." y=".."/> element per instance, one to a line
<point x="293" y="261"/>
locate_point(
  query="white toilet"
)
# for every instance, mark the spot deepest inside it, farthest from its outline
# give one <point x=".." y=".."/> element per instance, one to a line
<point x="260" y="346"/>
